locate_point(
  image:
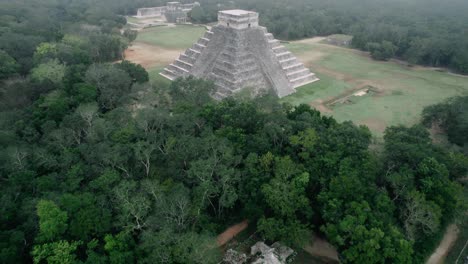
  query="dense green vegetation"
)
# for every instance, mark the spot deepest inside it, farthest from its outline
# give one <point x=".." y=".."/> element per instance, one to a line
<point x="452" y="116"/>
<point x="88" y="178"/>
<point x="92" y="181"/>
<point x="427" y="32"/>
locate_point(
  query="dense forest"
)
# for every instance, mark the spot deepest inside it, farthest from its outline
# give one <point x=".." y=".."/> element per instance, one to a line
<point x="452" y="117"/>
<point x="85" y="177"/>
<point x="426" y="32"/>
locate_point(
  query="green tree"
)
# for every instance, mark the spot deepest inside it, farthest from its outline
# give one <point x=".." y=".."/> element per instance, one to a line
<point x="191" y="92"/>
<point x="112" y="84"/>
<point x="44" y="52"/>
<point x="130" y="34"/>
<point x="52" y="71"/>
<point x="8" y="66"/>
<point x="119" y="247"/>
<point x="52" y="221"/>
<point x="285" y="194"/>
<point x="61" y="252"/>
<point x="382" y="51"/>
<point x="420" y="217"/>
<point x="136" y="71"/>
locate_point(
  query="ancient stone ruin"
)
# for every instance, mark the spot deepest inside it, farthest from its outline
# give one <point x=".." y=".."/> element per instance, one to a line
<point x="173" y="12"/>
<point x="260" y="253"/>
<point x="237" y="54"/>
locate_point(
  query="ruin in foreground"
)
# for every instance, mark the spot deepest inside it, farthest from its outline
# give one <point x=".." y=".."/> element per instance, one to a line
<point x="237" y="54"/>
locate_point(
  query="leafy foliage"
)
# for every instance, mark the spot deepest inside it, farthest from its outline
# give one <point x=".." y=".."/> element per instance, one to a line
<point x="87" y="177"/>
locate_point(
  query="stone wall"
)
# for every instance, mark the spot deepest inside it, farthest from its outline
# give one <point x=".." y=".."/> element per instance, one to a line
<point x="173" y="11"/>
<point x="152" y="11"/>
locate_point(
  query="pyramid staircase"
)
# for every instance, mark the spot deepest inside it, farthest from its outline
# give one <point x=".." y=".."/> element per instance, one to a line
<point x="182" y="66"/>
<point x="298" y="75"/>
<point x="234" y="69"/>
<point x="236" y="56"/>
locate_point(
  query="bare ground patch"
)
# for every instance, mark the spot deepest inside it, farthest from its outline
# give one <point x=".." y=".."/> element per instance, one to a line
<point x="231" y="232"/>
<point x="150" y="56"/>
<point x="310" y="57"/>
<point x="374" y="124"/>
<point x="319" y="105"/>
<point x="311" y="40"/>
<point x="320" y="248"/>
<point x="445" y="245"/>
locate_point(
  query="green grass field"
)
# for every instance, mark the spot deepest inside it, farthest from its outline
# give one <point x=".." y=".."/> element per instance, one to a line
<point x="179" y="37"/>
<point x="402" y="91"/>
<point x="402" y="94"/>
<point x="132" y="19"/>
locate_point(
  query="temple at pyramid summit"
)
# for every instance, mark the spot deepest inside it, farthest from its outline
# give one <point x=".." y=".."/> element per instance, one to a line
<point x="239" y="54"/>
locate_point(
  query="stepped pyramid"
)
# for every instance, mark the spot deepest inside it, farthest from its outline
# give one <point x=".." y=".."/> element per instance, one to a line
<point x="237" y="53"/>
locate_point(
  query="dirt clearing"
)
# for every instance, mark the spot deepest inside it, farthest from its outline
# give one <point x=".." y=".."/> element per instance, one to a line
<point x="150" y="56"/>
<point x="321" y="248"/>
<point x="231" y="232"/>
<point x="445" y="245"/>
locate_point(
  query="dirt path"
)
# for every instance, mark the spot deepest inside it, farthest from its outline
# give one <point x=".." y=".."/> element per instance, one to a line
<point x="321" y="248"/>
<point x="445" y="245"/>
<point x="311" y="40"/>
<point x="231" y="232"/>
<point x="150" y="56"/>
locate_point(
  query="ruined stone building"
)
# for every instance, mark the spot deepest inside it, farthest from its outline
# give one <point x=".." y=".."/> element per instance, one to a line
<point x="173" y="12"/>
<point x="237" y="53"/>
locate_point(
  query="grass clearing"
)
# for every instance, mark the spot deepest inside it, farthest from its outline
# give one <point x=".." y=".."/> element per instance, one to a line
<point x="402" y="92"/>
<point x="132" y="19"/>
<point x="171" y="37"/>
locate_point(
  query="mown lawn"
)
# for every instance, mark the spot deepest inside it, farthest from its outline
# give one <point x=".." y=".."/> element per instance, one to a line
<point x="169" y="37"/>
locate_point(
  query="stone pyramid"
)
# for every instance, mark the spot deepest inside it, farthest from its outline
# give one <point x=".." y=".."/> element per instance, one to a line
<point x="237" y="54"/>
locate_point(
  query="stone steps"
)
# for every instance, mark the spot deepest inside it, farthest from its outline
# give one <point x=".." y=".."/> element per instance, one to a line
<point x="252" y="80"/>
<point x="269" y="36"/>
<point x="303" y="80"/>
<point x="279" y="49"/>
<point x="246" y="65"/>
<point x="203" y="41"/>
<point x="239" y="56"/>
<point x="235" y="67"/>
<point x="187" y="59"/>
<point x="288" y="62"/>
<point x="179" y="71"/>
<point x="168" y="74"/>
<point x="296" y="74"/>
<point x="218" y="96"/>
<point x="224" y="74"/>
<point x="284" y="56"/>
<point x="256" y="83"/>
<point x="183" y="64"/>
<point x="192" y="53"/>
<point x="208" y="34"/>
<point x="198" y="47"/>
<point x="294" y="67"/>
<point x="274" y="43"/>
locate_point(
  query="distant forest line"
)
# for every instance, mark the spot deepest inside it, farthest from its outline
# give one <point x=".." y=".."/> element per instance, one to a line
<point x="431" y="33"/>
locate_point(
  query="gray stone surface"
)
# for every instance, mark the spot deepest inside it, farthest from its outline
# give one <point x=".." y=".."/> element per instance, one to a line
<point x="234" y="257"/>
<point x="260" y="253"/>
<point x="238" y="54"/>
<point x="174" y="12"/>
